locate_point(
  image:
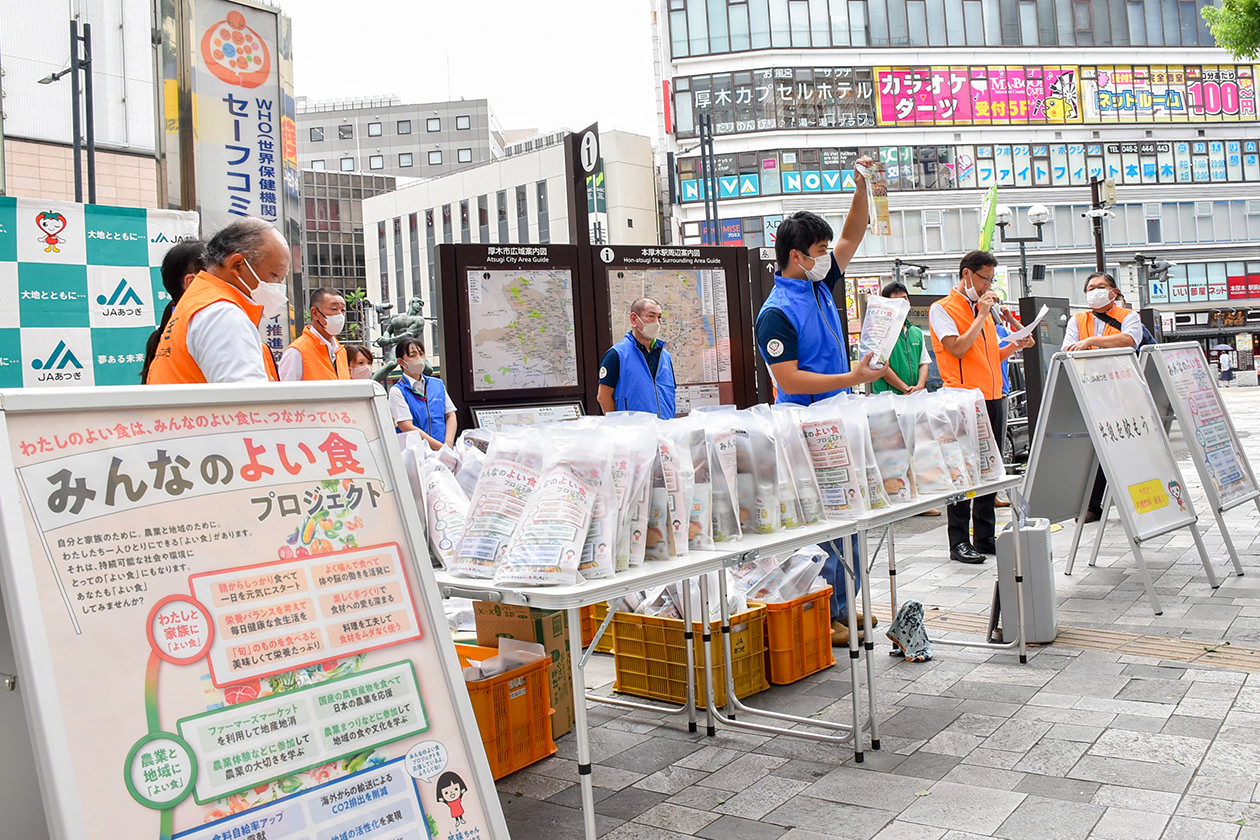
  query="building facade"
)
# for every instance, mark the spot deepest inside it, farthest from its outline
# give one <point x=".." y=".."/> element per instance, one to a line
<point x="384" y="136"/>
<point x="956" y="95"/>
<point x="518" y="199"/>
<point x="333" y="253"/>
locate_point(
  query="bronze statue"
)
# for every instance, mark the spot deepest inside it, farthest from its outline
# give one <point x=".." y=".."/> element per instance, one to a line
<point x="409" y="324"/>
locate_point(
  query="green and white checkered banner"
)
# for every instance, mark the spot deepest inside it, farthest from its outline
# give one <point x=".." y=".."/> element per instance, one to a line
<point x="81" y="289"/>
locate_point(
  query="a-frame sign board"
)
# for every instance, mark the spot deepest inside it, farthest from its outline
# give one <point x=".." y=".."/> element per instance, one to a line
<point x="1098" y="411"/>
<point x="1185" y="390"/>
<point x="226" y="620"/>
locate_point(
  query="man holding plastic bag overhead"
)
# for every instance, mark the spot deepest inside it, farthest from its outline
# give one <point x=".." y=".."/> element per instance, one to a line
<point x="801" y="337"/>
<point x="964" y="336"/>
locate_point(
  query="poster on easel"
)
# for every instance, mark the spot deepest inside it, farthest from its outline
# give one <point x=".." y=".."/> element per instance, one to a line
<point x="1185" y="390"/>
<point x="226" y="620"/>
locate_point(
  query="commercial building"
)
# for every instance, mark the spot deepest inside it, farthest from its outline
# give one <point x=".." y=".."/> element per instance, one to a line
<point x="956" y="95"/>
<point x="519" y="199"/>
<point x="385" y="136"/>
<point x="332" y="249"/>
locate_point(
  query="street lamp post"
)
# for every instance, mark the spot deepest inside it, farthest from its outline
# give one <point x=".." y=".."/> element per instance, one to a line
<point x="80" y="64"/>
<point x="1038" y="215"/>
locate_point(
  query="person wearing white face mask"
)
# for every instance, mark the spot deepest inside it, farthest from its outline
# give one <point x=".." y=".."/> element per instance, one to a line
<point x="212" y="335"/>
<point x="637" y="373"/>
<point x="419" y="403"/>
<point x="1107" y="324"/>
<point x="316" y="355"/>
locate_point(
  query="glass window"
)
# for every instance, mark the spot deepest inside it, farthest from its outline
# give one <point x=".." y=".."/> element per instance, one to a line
<point x="859" y="24"/>
<point x="376" y="162"/>
<point x="719" y="39"/>
<point x="544" y="227"/>
<point x="878" y="18"/>
<point x="1028" y="23"/>
<point x="317" y="135"/>
<point x="374" y="129"/>
<point x="465" y="232"/>
<point x="1189" y="24"/>
<point x="1172" y="22"/>
<point x="759" y="23"/>
<point x="936" y="23"/>
<point x="500" y="200"/>
<point x="318" y="164"/>
<point x="798" y="20"/>
<point x="677" y="35"/>
<point x="404" y="159"/>
<point x="347" y="164"/>
<point x="522" y="214"/>
<point x="403" y="126"/>
<point x="780" y="33"/>
<point x="973" y="19"/>
<point x="463" y="123"/>
<point x="447" y="235"/>
<point x="464" y="155"/>
<point x="483" y="218"/>
<point x="819" y="25"/>
<point x="435" y="157"/>
<point x="698" y="27"/>
<point x="739" y="27"/>
<point x="916" y="24"/>
<point x="433" y="124"/>
<point x="345" y="131"/>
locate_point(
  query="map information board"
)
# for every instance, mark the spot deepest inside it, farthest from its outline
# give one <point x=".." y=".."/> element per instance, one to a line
<point x="693" y="304"/>
<point x="521" y="326"/>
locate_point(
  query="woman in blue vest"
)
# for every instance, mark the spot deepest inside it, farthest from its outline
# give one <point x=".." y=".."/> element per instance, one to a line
<point x="419" y="403"/>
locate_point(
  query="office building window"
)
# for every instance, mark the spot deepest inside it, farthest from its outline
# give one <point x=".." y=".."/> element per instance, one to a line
<point x="400" y="271"/>
<point x="463" y="123"/>
<point x="413" y="222"/>
<point x="376" y="162"/>
<point x="501" y="200"/>
<point x="382" y="242"/>
<point x="465" y="230"/>
<point x="345" y="131"/>
<point x="483" y="218"/>
<point x="317" y="135"/>
<point x="544" y="228"/>
<point x="446" y="223"/>
<point x="404" y="159"/>
<point x="435" y="158"/>
<point x="433" y="124"/>
<point x="374" y="129"/>
<point x="318" y="164"/>
<point x="522" y="214"/>
<point x="347" y="164"/>
<point x="404" y="126"/>
<point x="465" y="155"/>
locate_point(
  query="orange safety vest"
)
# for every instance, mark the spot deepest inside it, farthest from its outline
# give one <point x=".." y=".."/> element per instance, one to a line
<point x="981" y="366"/>
<point x="172" y="363"/>
<point x="315" y="362"/>
<point x="1085" y="321"/>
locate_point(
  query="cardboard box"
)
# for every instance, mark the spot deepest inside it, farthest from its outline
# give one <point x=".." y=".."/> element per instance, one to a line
<point x="549" y="629"/>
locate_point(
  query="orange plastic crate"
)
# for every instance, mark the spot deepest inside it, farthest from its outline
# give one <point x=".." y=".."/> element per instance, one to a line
<point x="651" y="660"/>
<point x="589" y="625"/>
<point x="598" y="612"/>
<point x="799" y="637"/>
<point x="513" y="712"/>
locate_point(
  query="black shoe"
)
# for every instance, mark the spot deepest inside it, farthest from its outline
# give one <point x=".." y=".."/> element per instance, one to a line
<point x="964" y="553"/>
<point x="985" y="546"/>
<point x="1092" y="515"/>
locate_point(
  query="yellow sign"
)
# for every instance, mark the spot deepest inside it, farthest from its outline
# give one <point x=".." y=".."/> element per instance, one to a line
<point x="1148" y="496"/>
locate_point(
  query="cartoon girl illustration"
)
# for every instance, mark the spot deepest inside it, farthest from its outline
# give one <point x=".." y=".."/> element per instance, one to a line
<point x="52" y="224"/>
<point x="451" y="790"/>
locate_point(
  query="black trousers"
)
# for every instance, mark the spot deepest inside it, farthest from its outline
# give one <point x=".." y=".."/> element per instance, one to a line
<point x="979" y="510"/>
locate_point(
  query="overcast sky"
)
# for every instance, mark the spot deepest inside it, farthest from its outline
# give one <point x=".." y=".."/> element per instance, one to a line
<point x="546" y="64"/>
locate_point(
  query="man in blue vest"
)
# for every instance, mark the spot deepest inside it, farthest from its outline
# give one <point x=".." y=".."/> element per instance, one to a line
<point x="802" y="340"/>
<point x="636" y="374"/>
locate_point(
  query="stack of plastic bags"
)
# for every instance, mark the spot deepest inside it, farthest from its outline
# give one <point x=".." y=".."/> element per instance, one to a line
<point x="585" y="499"/>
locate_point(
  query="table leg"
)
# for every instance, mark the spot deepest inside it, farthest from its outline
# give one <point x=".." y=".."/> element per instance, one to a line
<point x="848" y="563"/>
<point x="869" y="634"/>
<point x="581" y="733"/>
<point x="706" y="634"/>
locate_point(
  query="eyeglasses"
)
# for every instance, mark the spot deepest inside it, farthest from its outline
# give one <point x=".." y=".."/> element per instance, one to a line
<point x="980" y="276"/>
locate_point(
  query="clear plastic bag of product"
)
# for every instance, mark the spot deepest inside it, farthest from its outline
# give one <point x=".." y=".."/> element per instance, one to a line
<point x="790" y="514"/>
<point x="700" y="525"/>
<point x="724" y="472"/>
<point x="944" y="420"/>
<point x="669" y="518"/>
<point x="599" y="553"/>
<point x="790" y="579"/>
<point x="927" y="461"/>
<point x="756" y="468"/>
<point x="787" y="426"/>
<point x="445" y="507"/>
<point x="892" y="456"/>
<point x="508" y="477"/>
<point x="634" y="435"/>
<point x="988" y="453"/>
<point x="471" y="447"/>
<point x="854" y="416"/>
<point x="838" y="466"/>
<point x="961" y="407"/>
<point x="881" y="327"/>
<point x="546" y="547"/>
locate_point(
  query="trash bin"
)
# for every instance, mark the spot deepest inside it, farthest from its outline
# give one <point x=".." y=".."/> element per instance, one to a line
<point x="1041" y="623"/>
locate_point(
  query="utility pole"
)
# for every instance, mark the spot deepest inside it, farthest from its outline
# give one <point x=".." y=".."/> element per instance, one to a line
<point x="709" y="180"/>
<point x="1098" y="203"/>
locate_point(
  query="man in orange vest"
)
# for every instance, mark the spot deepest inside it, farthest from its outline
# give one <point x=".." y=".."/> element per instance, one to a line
<point x="212" y="335"/>
<point x="316" y="354"/>
<point x="965" y="339"/>
<point x="1105" y="325"/>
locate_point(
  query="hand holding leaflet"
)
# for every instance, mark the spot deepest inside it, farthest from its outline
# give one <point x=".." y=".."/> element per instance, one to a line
<point x="1027" y="331"/>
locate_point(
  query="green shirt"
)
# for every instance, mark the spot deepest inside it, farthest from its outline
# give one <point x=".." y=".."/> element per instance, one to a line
<point x="906" y="356"/>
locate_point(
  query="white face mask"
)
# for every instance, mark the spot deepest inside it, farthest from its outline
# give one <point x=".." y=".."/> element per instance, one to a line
<point x="650" y="331"/>
<point x="272" y="297"/>
<point x="1098" y="298"/>
<point x="413" y="367"/>
<point x="334" y="324"/>
<point x="820" y="270"/>
<point x="970" y="292"/>
<point x="361" y="372"/>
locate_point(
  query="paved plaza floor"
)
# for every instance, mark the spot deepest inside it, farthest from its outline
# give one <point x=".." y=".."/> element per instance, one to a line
<point x="1129" y="726"/>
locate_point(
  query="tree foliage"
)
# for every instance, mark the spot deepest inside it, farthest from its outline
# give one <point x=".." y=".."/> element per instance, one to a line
<point x="1235" y="25"/>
